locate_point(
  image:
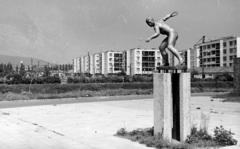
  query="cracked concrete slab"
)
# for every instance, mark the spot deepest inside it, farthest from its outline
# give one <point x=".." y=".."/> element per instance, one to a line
<point x="93" y="125"/>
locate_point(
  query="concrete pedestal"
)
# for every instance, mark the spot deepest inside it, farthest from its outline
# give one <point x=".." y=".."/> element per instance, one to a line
<point x="162" y="105"/>
<point x="171" y="105"/>
<point x="185" y="95"/>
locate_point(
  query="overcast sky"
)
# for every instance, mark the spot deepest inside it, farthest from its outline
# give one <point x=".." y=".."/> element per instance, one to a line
<point x="59" y="30"/>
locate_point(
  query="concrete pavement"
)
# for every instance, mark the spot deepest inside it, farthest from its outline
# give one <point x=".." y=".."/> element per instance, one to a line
<point x="93" y="125"/>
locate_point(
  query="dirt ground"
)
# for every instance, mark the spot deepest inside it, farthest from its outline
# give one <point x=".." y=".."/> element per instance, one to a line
<point x="93" y="125"/>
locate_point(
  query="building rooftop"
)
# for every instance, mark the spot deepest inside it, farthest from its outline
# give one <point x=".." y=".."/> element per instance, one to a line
<point x="215" y="40"/>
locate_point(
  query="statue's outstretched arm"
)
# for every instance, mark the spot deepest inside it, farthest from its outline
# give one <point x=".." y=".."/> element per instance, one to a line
<point x="168" y="16"/>
<point x="157" y="33"/>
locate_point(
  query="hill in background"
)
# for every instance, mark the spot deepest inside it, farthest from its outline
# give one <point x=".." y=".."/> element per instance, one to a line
<point x="15" y="60"/>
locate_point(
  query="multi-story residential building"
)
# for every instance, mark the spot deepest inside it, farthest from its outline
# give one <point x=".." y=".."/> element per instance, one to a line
<point x="86" y="64"/>
<point x="142" y="61"/>
<point x="112" y="62"/>
<point x="185" y="54"/>
<point x="215" y="56"/>
<point x="82" y="69"/>
<point x="217" y="53"/>
<point x="77" y="65"/>
<point x="97" y="63"/>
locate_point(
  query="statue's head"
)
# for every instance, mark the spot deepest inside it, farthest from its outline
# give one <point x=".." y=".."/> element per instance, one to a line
<point x="150" y="21"/>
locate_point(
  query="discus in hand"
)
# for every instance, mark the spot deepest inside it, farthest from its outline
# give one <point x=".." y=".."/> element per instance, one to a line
<point x="174" y="14"/>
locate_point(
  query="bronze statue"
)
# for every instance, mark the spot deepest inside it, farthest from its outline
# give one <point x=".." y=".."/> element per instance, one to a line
<point x="160" y="27"/>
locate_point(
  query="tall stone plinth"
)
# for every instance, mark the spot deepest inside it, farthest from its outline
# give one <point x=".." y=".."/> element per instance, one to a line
<point x="171" y="105"/>
<point x="162" y="105"/>
<point x="236" y="71"/>
<point x="185" y="95"/>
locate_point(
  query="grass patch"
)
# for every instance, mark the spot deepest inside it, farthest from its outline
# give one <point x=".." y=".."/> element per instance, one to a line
<point x="64" y="88"/>
<point x="14" y="96"/>
<point x="74" y="94"/>
<point x="145" y="136"/>
<point x="197" y="138"/>
<point x="202" y="90"/>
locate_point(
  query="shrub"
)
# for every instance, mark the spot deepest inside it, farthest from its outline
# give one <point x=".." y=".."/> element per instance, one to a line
<point x="121" y="132"/>
<point x="201" y="138"/>
<point x="13" y="96"/>
<point x="197" y="136"/>
<point x="224" y="77"/>
<point x="224" y="137"/>
<point x="146" y="136"/>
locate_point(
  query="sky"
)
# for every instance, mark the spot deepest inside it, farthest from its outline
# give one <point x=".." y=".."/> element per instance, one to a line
<point x="60" y="30"/>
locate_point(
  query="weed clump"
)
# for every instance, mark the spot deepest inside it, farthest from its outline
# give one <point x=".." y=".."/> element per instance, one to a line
<point x="197" y="138"/>
<point x="201" y="138"/>
<point x="146" y="136"/>
<point x="224" y="137"/>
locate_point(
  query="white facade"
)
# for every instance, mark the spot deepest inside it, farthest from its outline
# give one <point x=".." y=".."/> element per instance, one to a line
<point x="97" y="63"/>
<point x="142" y="61"/>
<point x="77" y="65"/>
<point x="86" y="64"/>
<point x="91" y="64"/>
<point x="82" y="65"/>
<point x="216" y="53"/>
<point x="112" y="62"/>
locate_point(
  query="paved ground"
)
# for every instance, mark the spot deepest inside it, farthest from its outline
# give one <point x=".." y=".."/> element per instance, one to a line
<point x="92" y="125"/>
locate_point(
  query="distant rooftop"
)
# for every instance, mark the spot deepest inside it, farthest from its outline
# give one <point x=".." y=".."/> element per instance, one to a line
<point x="215" y="40"/>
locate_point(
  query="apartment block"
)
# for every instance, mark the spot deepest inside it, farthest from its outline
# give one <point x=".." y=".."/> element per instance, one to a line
<point x="77" y="65"/>
<point x="86" y="64"/>
<point x="216" y="53"/>
<point x="97" y="63"/>
<point x="142" y="61"/>
<point x="82" y="69"/>
<point x="112" y="62"/>
<point x="186" y="55"/>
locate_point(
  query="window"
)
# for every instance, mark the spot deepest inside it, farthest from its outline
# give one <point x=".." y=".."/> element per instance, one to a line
<point x="110" y="54"/>
<point x="208" y="46"/>
<point x="224" y="44"/>
<point x="230" y="57"/>
<point x="230" y="64"/>
<point x="225" y="65"/>
<point x="203" y="47"/>
<point x="110" y="59"/>
<point x="235" y="42"/>
<point x="224" y="51"/>
<point x="217" y="46"/>
<point x="213" y="45"/>
<point x="224" y="58"/>
<point x="232" y="50"/>
<point x="231" y="43"/>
